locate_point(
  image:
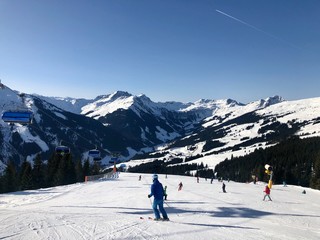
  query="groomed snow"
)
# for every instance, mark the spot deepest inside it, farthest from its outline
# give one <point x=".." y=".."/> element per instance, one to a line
<point x="112" y="210"/>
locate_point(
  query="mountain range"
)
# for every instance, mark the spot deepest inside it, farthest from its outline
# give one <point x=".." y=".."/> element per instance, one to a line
<point x="135" y="127"/>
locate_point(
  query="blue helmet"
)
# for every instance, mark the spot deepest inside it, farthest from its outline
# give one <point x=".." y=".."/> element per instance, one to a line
<point x="155" y="176"/>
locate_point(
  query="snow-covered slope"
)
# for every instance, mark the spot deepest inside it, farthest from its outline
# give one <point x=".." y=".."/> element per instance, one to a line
<point x="306" y="112"/>
<point x="68" y="104"/>
<point x="119" y="209"/>
<point x="233" y="110"/>
<point x="10" y="99"/>
<point x="104" y="105"/>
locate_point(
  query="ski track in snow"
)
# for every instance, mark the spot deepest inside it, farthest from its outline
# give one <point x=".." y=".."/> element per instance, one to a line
<point x="112" y="210"/>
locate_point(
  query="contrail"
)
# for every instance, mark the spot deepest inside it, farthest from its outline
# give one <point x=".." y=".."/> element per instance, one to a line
<point x="257" y="29"/>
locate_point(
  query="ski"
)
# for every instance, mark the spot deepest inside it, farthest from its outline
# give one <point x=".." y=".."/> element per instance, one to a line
<point x="156" y="220"/>
<point x="149" y="218"/>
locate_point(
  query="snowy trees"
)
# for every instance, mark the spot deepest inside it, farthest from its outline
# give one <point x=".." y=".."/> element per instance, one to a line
<point x="315" y="175"/>
<point x="59" y="170"/>
<point x="10" y="182"/>
<point x="173" y="166"/>
<point x="38" y="173"/>
<point x="26" y="176"/>
<point x="296" y="161"/>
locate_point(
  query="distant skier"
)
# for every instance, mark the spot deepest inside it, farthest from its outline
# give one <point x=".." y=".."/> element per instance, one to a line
<point x="223" y="187"/>
<point x="165" y="193"/>
<point x="180" y="186"/>
<point x="267" y="193"/>
<point x="197" y="179"/>
<point x="139" y="177"/>
<point x="157" y="192"/>
<point x="211" y="180"/>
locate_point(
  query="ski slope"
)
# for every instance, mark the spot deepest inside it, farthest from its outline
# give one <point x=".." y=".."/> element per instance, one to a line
<point x="112" y="210"/>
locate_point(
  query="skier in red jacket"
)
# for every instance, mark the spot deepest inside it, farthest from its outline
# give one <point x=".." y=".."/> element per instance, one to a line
<point x="267" y="191"/>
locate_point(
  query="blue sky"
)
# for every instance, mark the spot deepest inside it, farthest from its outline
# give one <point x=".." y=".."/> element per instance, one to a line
<point x="169" y="50"/>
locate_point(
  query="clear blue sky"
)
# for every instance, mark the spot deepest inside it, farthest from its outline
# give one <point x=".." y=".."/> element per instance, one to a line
<point x="170" y="50"/>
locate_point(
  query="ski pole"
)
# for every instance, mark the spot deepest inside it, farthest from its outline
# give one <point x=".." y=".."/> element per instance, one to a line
<point x="170" y="207"/>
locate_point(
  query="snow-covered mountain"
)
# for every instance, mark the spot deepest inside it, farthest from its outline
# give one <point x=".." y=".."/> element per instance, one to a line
<point x="140" y="118"/>
<point x="207" y="130"/>
<point x="51" y="127"/>
<point x="237" y="130"/>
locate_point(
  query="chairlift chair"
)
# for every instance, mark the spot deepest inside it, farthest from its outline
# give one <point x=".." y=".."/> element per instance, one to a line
<point x="95" y="154"/>
<point x="61" y="150"/>
<point x="22" y="117"/>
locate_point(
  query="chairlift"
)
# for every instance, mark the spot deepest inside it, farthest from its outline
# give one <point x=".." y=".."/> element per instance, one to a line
<point x="123" y="166"/>
<point x="95" y="154"/>
<point x="62" y="150"/>
<point x="23" y="117"/>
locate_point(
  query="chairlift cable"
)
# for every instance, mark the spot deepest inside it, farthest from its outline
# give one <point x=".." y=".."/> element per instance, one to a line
<point x="87" y="140"/>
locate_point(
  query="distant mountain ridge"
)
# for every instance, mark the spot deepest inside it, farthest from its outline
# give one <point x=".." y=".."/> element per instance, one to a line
<point x="135" y="125"/>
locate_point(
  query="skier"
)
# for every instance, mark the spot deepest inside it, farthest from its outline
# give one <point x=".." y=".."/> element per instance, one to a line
<point x="139" y="177"/>
<point x="267" y="191"/>
<point x="223" y="187"/>
<point x="180" y="186"/>
<point x="157" y="192"/>
<point x="165" y="193"/>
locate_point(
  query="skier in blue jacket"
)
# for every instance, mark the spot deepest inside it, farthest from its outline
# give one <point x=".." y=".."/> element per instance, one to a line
<point x="157" y="193"/>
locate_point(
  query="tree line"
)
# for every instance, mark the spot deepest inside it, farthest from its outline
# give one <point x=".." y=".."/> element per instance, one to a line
<point x="58" y="170"/>
<point x="295" y="161"/>
<point x="175" y="166"/>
